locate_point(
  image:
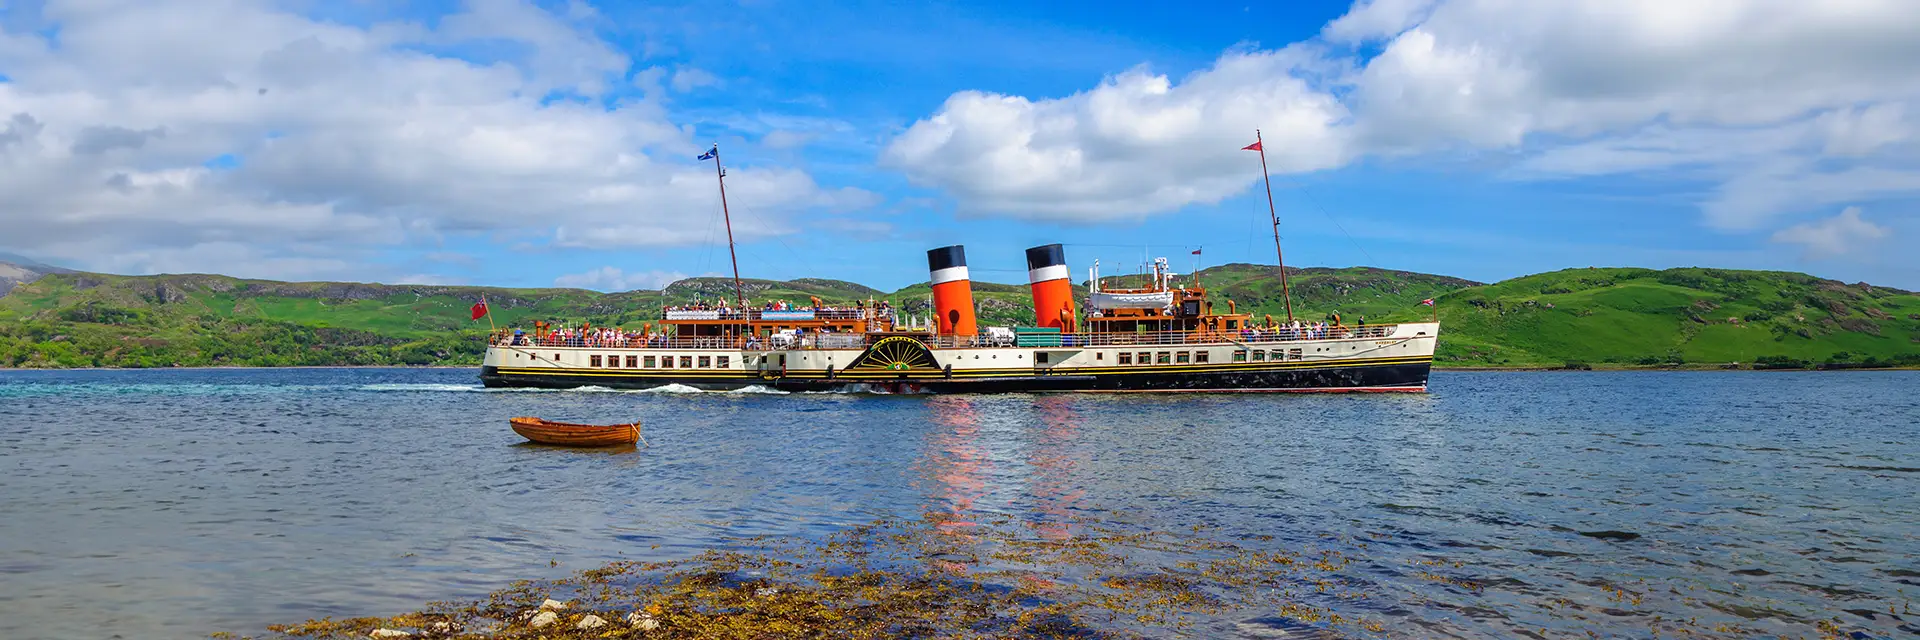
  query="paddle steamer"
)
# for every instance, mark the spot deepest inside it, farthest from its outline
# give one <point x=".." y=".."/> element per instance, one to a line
<point x="1168" y="335"/>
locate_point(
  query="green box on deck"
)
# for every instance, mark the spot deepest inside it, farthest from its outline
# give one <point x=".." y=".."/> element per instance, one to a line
<point x="1036" y="336"/>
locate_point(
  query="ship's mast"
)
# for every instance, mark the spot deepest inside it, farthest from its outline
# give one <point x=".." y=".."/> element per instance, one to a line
<point x="720" y="172"/>
<point x="1286" y="293"/>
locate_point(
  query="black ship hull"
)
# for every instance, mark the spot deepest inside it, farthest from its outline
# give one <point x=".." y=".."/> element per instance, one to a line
<point x="1401" y="374"/>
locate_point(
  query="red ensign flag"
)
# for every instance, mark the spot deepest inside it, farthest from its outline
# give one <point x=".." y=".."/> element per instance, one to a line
<point x="1252" y="147"/>
<point x="479" y="309"/>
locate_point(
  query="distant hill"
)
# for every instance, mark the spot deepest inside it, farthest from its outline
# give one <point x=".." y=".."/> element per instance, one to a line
<point x="1678" y="316"/>
<point x="17" y="270"/>
<point x="1623" y="317"/>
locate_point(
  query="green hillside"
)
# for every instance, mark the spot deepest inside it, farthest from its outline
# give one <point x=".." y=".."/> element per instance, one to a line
<point x="1678" y="316"/>
<point x="1624" y="317"/>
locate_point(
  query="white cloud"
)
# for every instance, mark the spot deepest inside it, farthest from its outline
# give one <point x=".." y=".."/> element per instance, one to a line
<point x="613" y="279"/>
<point x="1746" y="95"/>
<point x="1371" y="20"/>
<point x="152" y="131"/>
<point x="1832" y="237"/>
<point x="784" y="139"/>
<point x="688" y="78"/>
<point x="1136" y="144"/>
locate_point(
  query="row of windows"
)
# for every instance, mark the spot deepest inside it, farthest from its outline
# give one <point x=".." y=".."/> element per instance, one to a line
<point x="1163" y="357"/>
<point x="1262" y="354"/>
<point x="657" y="362"/>
<point x="1200" y="357"/>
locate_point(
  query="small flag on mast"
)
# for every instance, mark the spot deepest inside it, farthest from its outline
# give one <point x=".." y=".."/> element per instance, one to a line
<point x="1252" y="147"/>
<point x="1428" y="302"/>
<point x="1196" y="252"/>
<point x="479" y="309"/>
<point x="710" y="153"/>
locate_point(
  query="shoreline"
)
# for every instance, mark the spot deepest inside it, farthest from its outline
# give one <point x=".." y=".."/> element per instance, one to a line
<point x="1446" y="368"/>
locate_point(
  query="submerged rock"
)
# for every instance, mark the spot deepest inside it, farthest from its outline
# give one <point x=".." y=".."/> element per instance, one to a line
<point x="590" y="622"/>
<point x="542" y="619"/>
<point x="389" y="633"/>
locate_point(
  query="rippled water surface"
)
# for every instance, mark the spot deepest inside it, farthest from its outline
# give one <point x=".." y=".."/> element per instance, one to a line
<point x="156" y="504"/>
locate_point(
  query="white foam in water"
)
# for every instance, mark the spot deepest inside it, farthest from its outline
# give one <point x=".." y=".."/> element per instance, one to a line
<point x="672" y="388"/>
<point x="754" y="388"/>
<point x="420" y="387"/>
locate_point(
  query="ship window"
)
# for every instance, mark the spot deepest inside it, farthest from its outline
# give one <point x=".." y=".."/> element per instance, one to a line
<point x="1294" y="354"/>
<point x="706" y="362"/>
<point x="686" y="362"/>
<point x="721" y="361"/>
<point x="666" y="362"/>
<point x="593" y="361"/>
<point x="1145" y="358"/>
<point x="1100" y="356"/>
<point x="1125" y="358"/>
<point x="649" y="362"/>
<point x="1040" y="358"/>
<point x="556" y="358"/>
<point x="613" y="362"/>
<point x="1199" y="356"/>
<point x="1240" y="356"/>
<point x="1180" y="357"/>
<point x="1259" y="355"/>
<point x="1233" y="324"/>
<point x="633" y="362"/>
<point x="1161" y="358"/>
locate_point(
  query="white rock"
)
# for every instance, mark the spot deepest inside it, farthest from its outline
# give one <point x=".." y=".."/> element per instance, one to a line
<point x="765" y="592"/>
<point x="441" y="627"/>
<point x="553" y="604"/>
<point x="389" y="633"/>
<point x="543" y="619"/>
<point x="590" y="622"/>
<point x="644" y="621"/>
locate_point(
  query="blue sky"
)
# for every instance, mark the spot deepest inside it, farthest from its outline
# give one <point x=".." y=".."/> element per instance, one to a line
<point x="516" y="143"/>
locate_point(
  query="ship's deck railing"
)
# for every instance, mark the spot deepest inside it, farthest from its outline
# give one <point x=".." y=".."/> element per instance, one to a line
<point x="1150" y="338"/>
<point x="771" y="315"/>
<point x="811" y="341"/>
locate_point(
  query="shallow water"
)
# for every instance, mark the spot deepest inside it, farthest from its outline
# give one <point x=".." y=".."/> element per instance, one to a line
<point x="157" y="504"/>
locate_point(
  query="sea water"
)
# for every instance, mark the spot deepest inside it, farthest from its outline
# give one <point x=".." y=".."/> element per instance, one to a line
<point x="176" y="503"/>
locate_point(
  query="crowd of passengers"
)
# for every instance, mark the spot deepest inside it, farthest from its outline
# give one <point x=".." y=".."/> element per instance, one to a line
<point x="724" y="306"/>
<point x="586" y="336"/>
<point x="1300" y="331"/>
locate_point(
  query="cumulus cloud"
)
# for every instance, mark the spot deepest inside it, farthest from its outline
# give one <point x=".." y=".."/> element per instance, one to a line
<point x="1137" y="144"/>
<point x="156" y="136"/>
<point x="1736" y="93"/>
<point x="1832" y="237"/>
<point x="613" y="279"/>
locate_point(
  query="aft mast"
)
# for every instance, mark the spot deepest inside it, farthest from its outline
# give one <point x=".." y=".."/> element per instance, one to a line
<point x="720" y="173"/>
<point x="1286" y="293"/>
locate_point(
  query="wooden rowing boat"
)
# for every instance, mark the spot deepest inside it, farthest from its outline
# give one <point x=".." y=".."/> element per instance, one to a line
<point x="568" y="434"/>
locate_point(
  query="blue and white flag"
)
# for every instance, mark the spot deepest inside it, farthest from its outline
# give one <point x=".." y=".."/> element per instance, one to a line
<point x="709" y="154"/>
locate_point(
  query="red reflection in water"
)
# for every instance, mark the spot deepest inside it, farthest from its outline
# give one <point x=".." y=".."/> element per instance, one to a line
<point x="1052" y="486"/>
<point x="955" y="461"/>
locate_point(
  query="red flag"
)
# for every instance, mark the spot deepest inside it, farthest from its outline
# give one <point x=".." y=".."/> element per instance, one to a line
<point x="1196" y="252"/>
<point x="479" y="309"/>
<point x="1428" y="302"/>
<point x="1252" y="147"/>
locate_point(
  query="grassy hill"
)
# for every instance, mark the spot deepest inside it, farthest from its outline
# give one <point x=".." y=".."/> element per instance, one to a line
<point x="1678" y="316"/>
<point x="1628" y="317"/>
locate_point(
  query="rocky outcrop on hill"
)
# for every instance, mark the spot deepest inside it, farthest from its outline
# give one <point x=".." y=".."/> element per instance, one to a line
<point x="16" y="271"/>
